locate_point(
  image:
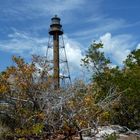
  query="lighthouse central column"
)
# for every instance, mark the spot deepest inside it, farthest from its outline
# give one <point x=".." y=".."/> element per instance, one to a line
<point x="56" y="31"/>
<point x="56" y="60"/>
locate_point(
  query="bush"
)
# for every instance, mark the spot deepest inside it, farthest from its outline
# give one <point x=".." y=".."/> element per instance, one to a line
<point x="112" y="136"/>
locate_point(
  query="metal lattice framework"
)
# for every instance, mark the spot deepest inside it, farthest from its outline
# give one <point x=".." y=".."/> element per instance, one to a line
<point x="56" y="55"/>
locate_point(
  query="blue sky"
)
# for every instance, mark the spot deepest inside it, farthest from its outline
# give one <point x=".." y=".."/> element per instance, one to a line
<point x="24" y="28"/>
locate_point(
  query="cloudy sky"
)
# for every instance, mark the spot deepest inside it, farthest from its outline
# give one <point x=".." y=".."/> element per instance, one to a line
<point x="24" y="28"/>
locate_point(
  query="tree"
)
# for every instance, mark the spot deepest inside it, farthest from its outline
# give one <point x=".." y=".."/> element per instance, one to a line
<point x="102" y="74"/>
<point x="116" y="89"/>
<point x="130" y="80"/>
<point x="95" y="59"/>
<point x="21" y="92"/>
<point x="32" y="108"/>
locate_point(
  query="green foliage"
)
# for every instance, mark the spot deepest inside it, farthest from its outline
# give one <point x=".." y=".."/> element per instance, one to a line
<point x="31" y="108"/>
<point x="20" y="96"/>
<point x="117" y="87"/>
<point x="129" y="106"/>
<point x="4" y="130"/>
<point x="95" y="59"/>
<point x="112" y="136"/>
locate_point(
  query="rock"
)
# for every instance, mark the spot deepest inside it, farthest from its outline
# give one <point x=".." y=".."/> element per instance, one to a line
<point x="128" y="137"/>
<point x="123" y="132"/>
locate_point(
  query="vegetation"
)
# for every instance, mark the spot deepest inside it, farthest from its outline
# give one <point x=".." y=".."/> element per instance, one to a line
<point x="112" y="136"/>
<point x="120" y="84"/>
<point x="31" y="108"/>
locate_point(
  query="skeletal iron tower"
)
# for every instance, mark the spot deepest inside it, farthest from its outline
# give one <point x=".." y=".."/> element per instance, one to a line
<point x="56" y="55"/>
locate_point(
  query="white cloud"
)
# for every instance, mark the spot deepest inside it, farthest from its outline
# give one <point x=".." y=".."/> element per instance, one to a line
<point x="36" y="8"/>
<point x="138" y="46"/>
<point x="103" y="25"/>
<point x="24" y="44"/>
<point x="117" y="47"/>
<point x="59" y="6"/>
<point x="74" y="53"/>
